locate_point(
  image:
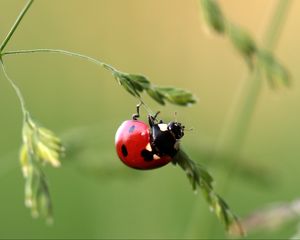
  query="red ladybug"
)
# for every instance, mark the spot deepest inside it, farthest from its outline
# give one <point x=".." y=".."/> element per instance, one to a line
<point x="141" y="146"/>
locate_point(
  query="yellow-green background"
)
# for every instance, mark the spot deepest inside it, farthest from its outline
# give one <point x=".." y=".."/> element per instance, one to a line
<point x="94" y="195"/>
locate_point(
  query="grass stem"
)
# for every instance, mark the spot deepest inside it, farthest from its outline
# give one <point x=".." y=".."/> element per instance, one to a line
<point x="64" y="52"/>
<point x="16" y="88"/>
<point x="15" y="26"/>
<point x="236" y="127"/>
<point x="243" y="107"/>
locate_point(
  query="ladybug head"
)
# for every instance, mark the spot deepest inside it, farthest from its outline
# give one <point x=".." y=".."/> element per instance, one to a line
<point x="177" y="129"/>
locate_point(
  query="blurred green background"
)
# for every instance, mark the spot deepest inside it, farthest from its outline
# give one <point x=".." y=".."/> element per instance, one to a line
<point x="94" y="195"/>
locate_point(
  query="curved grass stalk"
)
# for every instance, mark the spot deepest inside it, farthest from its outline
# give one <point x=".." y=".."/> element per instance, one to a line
<point x="64" y="52"/>
<point x="135" y="84"/>
<point x="15" y="87"/>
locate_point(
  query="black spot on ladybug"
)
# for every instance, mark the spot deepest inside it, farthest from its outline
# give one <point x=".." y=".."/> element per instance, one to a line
<point x="131" y="129"/>
<point x="147" y="155"/>
<point x="124" y="150"/>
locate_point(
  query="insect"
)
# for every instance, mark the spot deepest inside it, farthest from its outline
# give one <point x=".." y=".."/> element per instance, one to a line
<point x="143" y="146"/>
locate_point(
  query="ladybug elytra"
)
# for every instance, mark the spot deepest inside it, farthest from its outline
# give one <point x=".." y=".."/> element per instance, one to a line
<point x="143" y="146"/>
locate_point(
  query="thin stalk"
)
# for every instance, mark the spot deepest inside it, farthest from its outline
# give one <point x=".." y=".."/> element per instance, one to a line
<point x="16" y="88"/>
<point x="235" y="130"/>
<point x="271" y="36"/>
<point x="73" y="54"/>
<point x="64" y="52"/>
<point x="146" y="107"/>
<point x="15" y="26"/>
<point x="244" y="106"/>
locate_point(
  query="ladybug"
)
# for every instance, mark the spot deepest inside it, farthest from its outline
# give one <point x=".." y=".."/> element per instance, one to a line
<point x="143" y="146"/>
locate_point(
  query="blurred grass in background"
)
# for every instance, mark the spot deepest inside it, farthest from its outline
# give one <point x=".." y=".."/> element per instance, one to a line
<point x="94" y="195"/>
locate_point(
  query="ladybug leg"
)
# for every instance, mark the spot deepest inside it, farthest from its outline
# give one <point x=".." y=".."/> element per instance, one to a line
<point x="147" y="155"/>
<point x="156" y="114"/>
<point x="137" y="114"/>
<point x="152" y="119"/>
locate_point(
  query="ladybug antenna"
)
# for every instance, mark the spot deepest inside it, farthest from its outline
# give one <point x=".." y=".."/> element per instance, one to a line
<point x="175" y="116"/>
<point x="189" y="129"/>
<point x="137" y="114"/>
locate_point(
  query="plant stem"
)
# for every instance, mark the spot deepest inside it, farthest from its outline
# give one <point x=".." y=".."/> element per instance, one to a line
<point x="239" y="117"/>
<point x="68" y="53"/>
<point x="16" y="88"/>
<point x="274" y="29"/>
<point x="235" y="129"/>
<point x="15" y="26"/>
<point x="243" y="107"/>
<point x="73" y="54"/>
